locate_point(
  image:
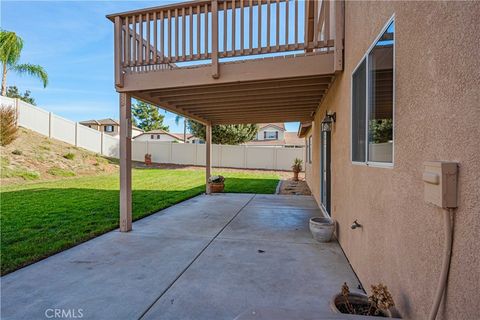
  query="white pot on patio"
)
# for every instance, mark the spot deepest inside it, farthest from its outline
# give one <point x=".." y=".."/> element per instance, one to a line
<point x="322" y="228"/>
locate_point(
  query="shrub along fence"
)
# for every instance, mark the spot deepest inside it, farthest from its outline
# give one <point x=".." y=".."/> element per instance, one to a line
<point x="56" y="127"/>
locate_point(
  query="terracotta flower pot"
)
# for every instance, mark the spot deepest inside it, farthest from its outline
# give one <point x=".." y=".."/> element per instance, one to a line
<point x="359" y="301"/>
<point x="217" y="187"/>
<point x="148" y="159"/>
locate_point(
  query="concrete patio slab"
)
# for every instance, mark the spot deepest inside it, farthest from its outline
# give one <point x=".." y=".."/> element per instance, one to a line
<point x="196" y="260"/>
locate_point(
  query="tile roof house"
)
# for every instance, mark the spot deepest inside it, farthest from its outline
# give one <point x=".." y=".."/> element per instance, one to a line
<point x="275" y="134"/>
<point x="109" y="126"/>
<point x="162" y="135"/>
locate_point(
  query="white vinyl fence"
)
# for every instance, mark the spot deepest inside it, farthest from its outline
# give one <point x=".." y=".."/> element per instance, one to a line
<point x="248" y="157"/>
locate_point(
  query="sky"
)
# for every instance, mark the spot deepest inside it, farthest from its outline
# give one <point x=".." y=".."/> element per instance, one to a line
<point x="73" y="41"/>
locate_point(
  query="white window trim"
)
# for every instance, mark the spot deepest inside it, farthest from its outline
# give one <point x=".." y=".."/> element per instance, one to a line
<point x="388" y="165"/>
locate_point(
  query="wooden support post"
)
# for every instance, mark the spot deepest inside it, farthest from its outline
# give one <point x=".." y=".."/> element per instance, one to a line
<point x="125" y="163"/>
<point x="208" y="155"/>
<point x="215" y="72"/>
<point x="118" y="53"/>
<point x="339" y="29"/>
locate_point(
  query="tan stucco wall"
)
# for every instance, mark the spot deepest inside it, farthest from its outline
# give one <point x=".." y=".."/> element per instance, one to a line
<point x="437" y="117"/>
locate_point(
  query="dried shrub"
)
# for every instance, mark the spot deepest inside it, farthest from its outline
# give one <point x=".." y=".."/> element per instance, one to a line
<point x="69" y="156"/>
<point x="8" y="125"/>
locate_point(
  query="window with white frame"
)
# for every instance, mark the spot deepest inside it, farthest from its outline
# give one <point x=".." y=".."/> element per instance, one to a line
<point x="270" y="135"/>
<point x="373" y="101"/>
<point x="108" y="128"/>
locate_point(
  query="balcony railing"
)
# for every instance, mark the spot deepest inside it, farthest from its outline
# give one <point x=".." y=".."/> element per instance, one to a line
<point x="209" y="30"/>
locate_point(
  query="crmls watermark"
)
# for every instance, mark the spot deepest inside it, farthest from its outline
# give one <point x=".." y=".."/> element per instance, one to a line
<point x="59" y="313"/>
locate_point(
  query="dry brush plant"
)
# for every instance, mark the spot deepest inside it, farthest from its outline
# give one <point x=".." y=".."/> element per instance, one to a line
<point x="8" y="125"/>
<point x="380" y="300"/>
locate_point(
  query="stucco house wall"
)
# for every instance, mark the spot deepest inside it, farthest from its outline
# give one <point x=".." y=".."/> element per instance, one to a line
<point x="436" y="117"/>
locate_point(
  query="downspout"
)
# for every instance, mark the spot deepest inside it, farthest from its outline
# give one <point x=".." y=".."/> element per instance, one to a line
<point x="447" y="254"/>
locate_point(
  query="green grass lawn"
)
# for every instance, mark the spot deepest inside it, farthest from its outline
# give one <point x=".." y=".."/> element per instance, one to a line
<point x="40" y="219"/>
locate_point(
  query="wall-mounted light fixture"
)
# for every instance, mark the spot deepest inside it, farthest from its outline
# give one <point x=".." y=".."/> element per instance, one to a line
<point x="328" y="121"/>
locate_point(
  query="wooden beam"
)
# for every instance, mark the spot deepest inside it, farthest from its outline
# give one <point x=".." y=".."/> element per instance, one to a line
<point x="125" y="163"/>
<point x="249" y="107"/>
<point x="208" y="156"/>
<point x="253" y="93"/>
<point x="168" y="106"/>
<point x="234" y="102"/>
<point x="244" y="87"/>
<point x="270" y="69"/>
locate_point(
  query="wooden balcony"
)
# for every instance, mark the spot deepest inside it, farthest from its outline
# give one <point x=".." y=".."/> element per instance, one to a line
<point x="231" y="61"/>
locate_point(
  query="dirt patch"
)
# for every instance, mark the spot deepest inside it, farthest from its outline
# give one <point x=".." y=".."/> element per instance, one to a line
<point x="33" y="156"/>
<point x="299" y="187"/>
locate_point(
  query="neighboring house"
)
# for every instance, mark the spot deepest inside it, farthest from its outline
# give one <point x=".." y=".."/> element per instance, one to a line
<point x="162" y="135"/>
<point x="274" y="134"/>
<point x="109" y="126"/>
<point x="381" y="88"/>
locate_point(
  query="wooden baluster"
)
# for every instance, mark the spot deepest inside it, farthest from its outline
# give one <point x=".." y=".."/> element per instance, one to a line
<point x="307" y="9"/>
<point x="327" y="20"/>
<point x="148" y="49"/>
<point x="296" y="23"/>
<point x="169" y="35"/>
<point x="287" y="5"/>
<point x="162" y="37"/>
<point x="134" y="41"/>
<point x="278" y="25"/>
<point x="242" y="25"/>
<point x="190" y="38"/>
<point x="225" y="27"/>
<point x="206" y="30"/>
<point x="215" y="71"/>
<point x="127" y="43"/>
<point x="315" y="23"/>
<point x="250" y="29"/>
<point x="140" y="41"/>
<point x="198" y="32"/>
<point x="176" y="35"/>
<point x="233" y="26"/>
<point x="259" y="26"/>
<point x="155" y="37"/>
<point x="268" y="25"/>
<point x="184" y="34"/>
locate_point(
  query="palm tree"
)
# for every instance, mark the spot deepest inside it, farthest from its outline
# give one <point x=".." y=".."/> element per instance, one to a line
<point x="177" y="121"/>
<point x="11" y="47"/>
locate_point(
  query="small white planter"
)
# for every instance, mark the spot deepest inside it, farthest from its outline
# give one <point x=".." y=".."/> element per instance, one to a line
<point x="322" y="228"/>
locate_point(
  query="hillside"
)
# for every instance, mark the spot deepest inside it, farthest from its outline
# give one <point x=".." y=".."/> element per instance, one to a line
<point x="35" y="157"/>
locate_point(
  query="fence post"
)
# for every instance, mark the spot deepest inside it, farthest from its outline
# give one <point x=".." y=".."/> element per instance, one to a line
<point x="17" y="112"/>
<point x="76" y="134"/>
<point x="170" y="158"/>
<point x="245" y="157"/>
<point x="275" y="156"/>
<point x="49" y="124"/>
<point x="101" y="143"/>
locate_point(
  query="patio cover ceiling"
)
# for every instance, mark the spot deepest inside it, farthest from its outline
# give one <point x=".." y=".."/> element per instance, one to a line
<point x="246" y="92"/>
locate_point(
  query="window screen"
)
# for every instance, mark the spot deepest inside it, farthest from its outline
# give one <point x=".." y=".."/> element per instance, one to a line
<point x="359" y="101"/>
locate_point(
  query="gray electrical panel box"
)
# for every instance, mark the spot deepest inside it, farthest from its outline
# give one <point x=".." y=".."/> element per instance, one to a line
<point x="440" y="181"/>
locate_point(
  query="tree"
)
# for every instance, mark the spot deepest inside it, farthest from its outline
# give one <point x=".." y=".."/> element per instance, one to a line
<point x="147" y="117"/>
<point x="177" y="121"/>
<point x="225" y="134"/>
<point x="12" y="92"/>
<point x="11" y="47"/>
